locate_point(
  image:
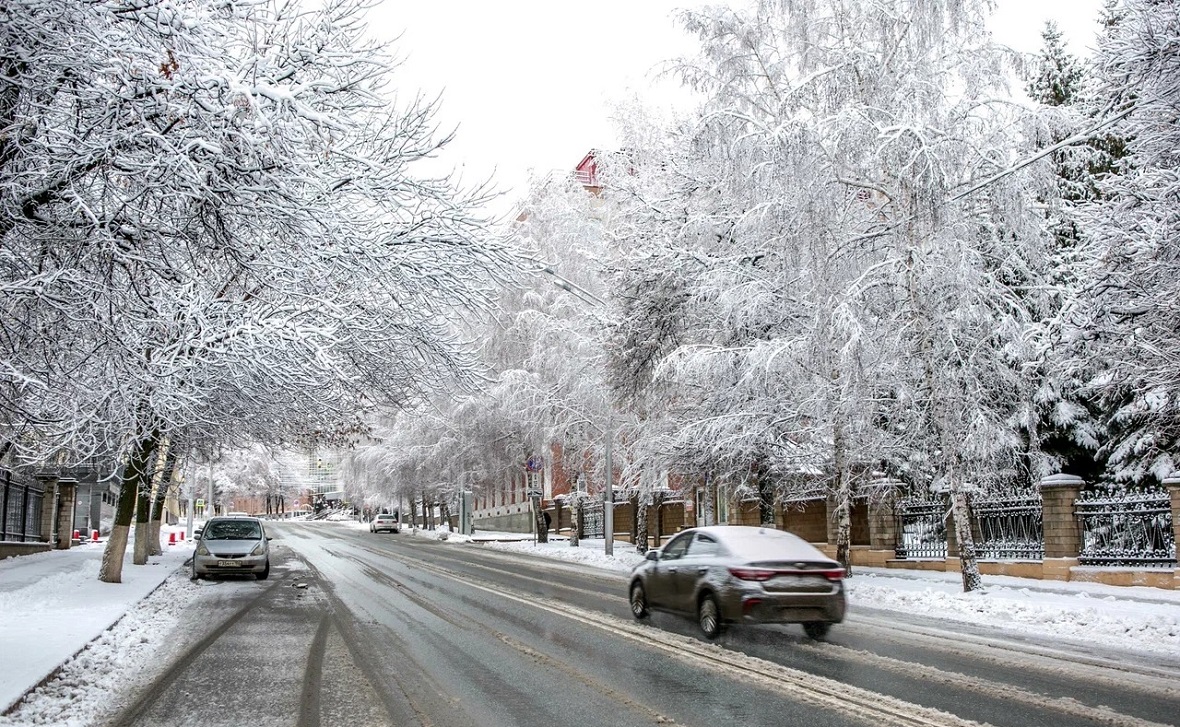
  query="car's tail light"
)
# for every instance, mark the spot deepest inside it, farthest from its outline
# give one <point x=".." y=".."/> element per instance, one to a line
<point x="836" y="574"/>
<point x="750" y="604"/>
<point x="752" y="574"/>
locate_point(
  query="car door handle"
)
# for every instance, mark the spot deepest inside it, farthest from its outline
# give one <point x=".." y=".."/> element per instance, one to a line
<point x="671" y="570"/>
<point x="702" y="571"/>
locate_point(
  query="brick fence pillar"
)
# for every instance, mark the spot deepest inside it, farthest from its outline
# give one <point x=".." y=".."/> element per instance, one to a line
<point x="1062" y="531"/>
<point x="48" y="507"/>
<point x="1173" y="485"/>
<point x="67" y="494"/>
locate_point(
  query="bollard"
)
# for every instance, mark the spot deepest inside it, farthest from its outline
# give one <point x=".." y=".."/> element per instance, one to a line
<point x="172" y="538"/>
<point x="77" y="535"/>
<point x="94" y="536"/>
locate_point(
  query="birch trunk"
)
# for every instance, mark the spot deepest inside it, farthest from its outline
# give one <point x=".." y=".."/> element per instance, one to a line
<point x="843" y="499"/>
<point x="961" y="512"/>
<point x="707" y="513"/>
<point x="134" y="476"/>
<point x="155" y="547"/>
<point x="575" y="511"/>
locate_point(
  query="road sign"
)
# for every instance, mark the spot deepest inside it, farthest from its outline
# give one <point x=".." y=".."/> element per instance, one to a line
<point x="200" y="502"/>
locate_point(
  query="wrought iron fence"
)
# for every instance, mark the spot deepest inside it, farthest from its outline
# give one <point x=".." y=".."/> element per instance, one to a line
<point x="20" y="504"/>
<point x="1010" y="527"/>
<point x="921" y="528"/>
<point x="1130" y="527"/>
<point x="592" y="522"/>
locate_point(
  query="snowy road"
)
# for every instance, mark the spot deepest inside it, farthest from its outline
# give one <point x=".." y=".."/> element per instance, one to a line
<point x="406" y="631"/>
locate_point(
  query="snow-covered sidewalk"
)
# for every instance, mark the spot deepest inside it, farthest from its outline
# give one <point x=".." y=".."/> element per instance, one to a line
<point x="52" y="605"/>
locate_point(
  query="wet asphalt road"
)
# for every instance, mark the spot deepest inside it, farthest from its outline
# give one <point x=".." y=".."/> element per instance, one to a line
<point x="362" y="629"/>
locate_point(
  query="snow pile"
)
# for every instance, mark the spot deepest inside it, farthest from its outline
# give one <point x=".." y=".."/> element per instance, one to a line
<point x="590" y="551"/>
<point x="1057" y="610"/>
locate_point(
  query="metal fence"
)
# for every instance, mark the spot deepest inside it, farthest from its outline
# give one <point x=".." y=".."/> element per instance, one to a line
<point x="592" y="521"/>
<point x="1130" y="527"/>
<point x="20" y="502"/>
<point x="1010" y="527"/>
<point x="921" y="528"/>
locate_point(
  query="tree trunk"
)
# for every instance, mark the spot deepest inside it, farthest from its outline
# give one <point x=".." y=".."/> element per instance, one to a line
<point x="961" y="512"/>
<point x="641" y="527"/>
<point x="134" y="476"/>
<point x="658" y="503"/>
<point x="539" y="519"/>
<point x="575" y="512"/>
<point x="843" y="499"/>
<point x="155" y="547"/>
<point x="143" y="514"/>
<point x="708" y="514"/>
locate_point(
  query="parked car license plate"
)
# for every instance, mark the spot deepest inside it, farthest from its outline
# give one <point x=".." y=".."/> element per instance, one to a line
<point x="228" y="564"/>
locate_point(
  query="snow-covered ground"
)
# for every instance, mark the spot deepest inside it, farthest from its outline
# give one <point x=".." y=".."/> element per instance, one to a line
<point x="52" y="606"/>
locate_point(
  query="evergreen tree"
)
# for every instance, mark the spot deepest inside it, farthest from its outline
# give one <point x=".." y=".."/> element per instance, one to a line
<point x="1127" y="313"/>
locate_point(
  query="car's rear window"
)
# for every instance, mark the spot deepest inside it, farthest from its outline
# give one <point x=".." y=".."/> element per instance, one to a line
<point x="770" y="544"/>
<point x="233" y="530"/>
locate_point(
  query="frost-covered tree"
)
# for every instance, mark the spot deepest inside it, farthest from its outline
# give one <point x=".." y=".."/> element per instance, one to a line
<point x="832" y="265"/>
<point x="1131" y="232"/>
<point x="1064" y="423"/>
<point x="211" y="219"/>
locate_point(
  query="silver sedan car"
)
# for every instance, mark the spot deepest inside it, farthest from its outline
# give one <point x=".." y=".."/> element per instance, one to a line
<point x="736" y="574"/>
<point x="232" y="545"/>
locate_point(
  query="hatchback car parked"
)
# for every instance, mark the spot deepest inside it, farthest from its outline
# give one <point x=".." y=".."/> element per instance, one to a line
<point x="736" y="574"/>
<point x="384" y="523"/>
<point x="232" y="545"/>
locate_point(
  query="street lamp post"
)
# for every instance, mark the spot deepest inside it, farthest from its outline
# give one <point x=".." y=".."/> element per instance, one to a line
<point x="608" y="496"/>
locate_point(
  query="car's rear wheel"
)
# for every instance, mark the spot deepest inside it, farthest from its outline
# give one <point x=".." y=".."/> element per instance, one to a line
<point x="265" y="572"/>
<point x="709" y="616"/>
<point x="817" y="629"/>
<point x="639" y="607"/>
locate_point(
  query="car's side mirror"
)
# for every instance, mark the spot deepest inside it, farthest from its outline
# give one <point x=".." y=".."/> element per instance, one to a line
<point x="653" y="555"/>
<point x="269" y="538"/>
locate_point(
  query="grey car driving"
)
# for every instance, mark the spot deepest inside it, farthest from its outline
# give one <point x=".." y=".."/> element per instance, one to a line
<point x="736" y="574"/>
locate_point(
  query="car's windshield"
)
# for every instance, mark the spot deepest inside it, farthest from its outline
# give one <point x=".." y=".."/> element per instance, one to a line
<point x="233" y="530"/>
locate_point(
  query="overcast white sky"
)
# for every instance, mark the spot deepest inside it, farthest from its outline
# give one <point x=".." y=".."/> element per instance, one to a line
<point x="530" y="84"/>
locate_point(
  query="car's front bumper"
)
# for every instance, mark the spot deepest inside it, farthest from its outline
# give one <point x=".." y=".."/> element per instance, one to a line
<point x="205" y="565"/>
